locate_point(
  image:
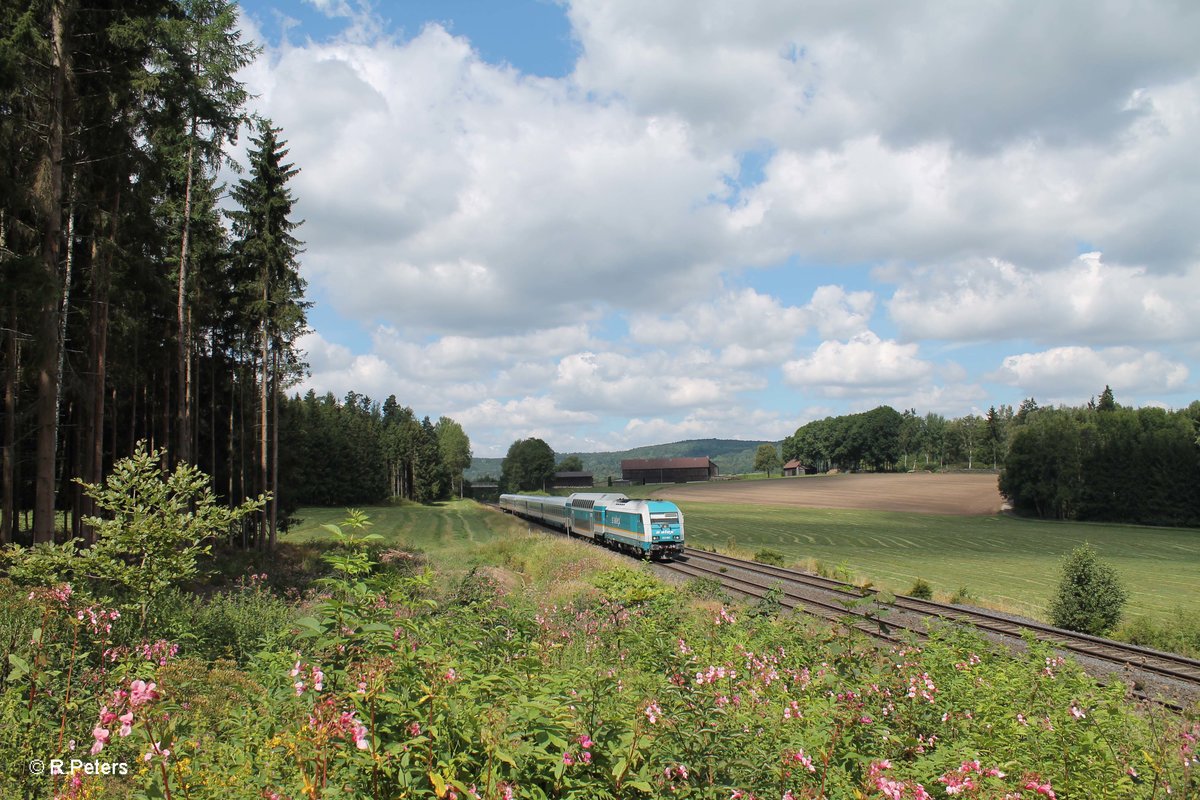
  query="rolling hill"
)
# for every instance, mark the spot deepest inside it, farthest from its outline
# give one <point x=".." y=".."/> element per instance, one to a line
<point x="733" y="456"/>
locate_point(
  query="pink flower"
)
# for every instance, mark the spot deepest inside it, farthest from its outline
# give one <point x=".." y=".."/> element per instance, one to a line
<point x="804" y="760"/>
<point x="126" y="724"/>
<point x="141" y="693"/>
<point x="1041" y="788"/>
<point x="1077" y="713"/>
<point x="101" y="736"/>
<point x="585" y="741"/>
<point x="567" y="759"/>
<point x="157" y="749"/>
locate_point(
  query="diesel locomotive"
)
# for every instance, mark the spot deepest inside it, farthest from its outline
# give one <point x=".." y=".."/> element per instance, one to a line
<point x="647" y="528"/>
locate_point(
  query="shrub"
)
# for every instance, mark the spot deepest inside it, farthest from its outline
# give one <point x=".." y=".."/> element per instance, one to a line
<point x="707" y="589"/>
<point x="153" y="531"/>
<point x="1090" y="595"/>
<point x="1179" y="635"/>
<point x="961" y="595"/>
<point x="921" y="590"/>
<point x="772" y="557"/>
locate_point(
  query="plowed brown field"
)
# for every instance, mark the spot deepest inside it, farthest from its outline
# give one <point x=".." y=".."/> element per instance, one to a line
<point x="920" y="492"/>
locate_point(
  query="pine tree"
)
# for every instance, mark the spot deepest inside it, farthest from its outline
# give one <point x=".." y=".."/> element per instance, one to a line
<point x="273" y="296"/>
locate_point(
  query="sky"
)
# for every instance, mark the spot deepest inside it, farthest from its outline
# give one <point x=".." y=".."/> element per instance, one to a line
<point x="614" y="223"/>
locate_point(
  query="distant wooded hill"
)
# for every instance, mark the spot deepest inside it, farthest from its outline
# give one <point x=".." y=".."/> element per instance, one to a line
<point x="733" y="456"/>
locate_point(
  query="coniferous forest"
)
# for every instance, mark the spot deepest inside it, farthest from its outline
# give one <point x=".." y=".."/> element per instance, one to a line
<point x="137" y="305"/>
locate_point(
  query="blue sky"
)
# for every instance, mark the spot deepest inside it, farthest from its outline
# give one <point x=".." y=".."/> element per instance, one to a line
<point x="610" y="223"/>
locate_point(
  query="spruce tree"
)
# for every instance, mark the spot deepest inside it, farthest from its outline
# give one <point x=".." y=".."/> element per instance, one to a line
<point x="267" y="252"/>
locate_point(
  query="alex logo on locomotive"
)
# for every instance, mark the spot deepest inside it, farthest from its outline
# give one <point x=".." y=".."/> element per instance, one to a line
<point x="649" y="528"/>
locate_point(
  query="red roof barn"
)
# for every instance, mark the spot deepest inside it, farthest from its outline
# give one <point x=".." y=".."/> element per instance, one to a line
<point x="668" y="470"/>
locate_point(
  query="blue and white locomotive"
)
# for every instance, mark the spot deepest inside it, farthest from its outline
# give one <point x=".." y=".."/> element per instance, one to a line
<point x="649" y="528"/>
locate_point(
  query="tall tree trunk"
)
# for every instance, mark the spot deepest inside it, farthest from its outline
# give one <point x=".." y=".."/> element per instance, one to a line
<point x="274" y="446"/>
<point x="229" y="455"/>
<point x="101" y="280"/>
<point x="12" y="360"/>
<point x="262" y="436"/>
<point x="48" y="387"/>
<point x="183" y="364"/>
<point x="64" y="315"/>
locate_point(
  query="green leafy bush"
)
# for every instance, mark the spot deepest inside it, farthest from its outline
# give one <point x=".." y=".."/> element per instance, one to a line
<point x="152" y="531"/>
<point x="772" y="557"/>
<point x="1090" y="596"/>
<point x="921" y="590"/>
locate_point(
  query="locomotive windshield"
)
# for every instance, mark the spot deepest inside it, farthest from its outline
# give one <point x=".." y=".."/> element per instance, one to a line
<point x="670" y="518"/>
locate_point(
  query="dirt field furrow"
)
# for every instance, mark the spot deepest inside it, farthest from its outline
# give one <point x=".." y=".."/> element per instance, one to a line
<point x="918" y="492"/>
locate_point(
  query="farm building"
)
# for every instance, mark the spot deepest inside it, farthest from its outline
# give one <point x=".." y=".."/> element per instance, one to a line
<point x="668" y="470"/>
<point x="563" y="480"/>
<point x="794" y="467"/>
<point x="485" y="492"/>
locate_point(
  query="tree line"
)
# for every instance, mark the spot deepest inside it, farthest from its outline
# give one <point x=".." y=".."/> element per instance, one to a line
<point x="359" y="452"/>
<point x="1106" y="463"/>
<point x="884" y="439"/>
<point x="133" y="308"/>
<point x="1100" y="461"/>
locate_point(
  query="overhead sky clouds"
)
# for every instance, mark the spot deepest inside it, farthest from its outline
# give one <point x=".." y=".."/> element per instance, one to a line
<point x="611" y="223"/>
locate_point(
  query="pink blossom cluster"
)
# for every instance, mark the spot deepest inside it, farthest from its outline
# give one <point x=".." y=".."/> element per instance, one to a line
<point x="326" y="720"/>
<point x="157" y="750"/>
<point x="921" y="686"/>
<point x="653" y="713"/>
<point x="60" y="594"/>
<point x="891" y="788"/>
<point x="1052" y="663"/>
<point x="965" y="778"/>
<point x="972" y="661"/>
<point x="724" y="617"/>
<point x="676" y="773"/>
<point x="161" y="651"/>
<point x="1036" y="784"/>
<point x="140" y="694"/>
<point x="1188" y="747"/>
<point x="801" y="758"/>
<point x="765" y="667"/>
<point x="314" y="674"/>
<point x="98" y="619"/>
<point x="714" y="674"/>
<point x="584" y="756"/>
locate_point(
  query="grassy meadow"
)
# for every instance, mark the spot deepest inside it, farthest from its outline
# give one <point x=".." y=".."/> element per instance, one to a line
<point x="1006" y="561"/>
<point x="458" y="535"/>
<point x="1003" y="561"/>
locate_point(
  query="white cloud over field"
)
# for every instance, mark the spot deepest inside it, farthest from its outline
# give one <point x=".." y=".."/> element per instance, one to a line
<point x="724" y="215"/>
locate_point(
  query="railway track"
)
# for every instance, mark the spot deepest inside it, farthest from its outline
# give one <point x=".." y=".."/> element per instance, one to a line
<point x="1177" y="676"/>
<point x="1165" y="678"/>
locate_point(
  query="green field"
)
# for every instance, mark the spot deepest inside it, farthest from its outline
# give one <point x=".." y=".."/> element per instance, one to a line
<point x="1006" y="561"/>
<point x="1003" y="561"/>
<point x="452" y="525"/>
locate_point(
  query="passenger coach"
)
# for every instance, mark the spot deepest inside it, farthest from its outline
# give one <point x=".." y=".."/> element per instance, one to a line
<point x="649" y="528"/>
